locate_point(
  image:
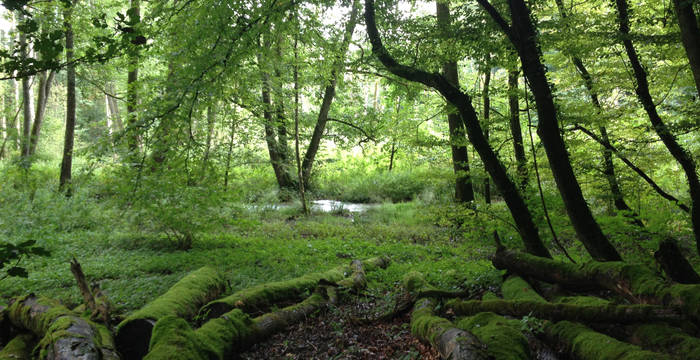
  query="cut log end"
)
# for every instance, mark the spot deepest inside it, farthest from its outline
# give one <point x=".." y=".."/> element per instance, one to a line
<point x="133" y="338"/>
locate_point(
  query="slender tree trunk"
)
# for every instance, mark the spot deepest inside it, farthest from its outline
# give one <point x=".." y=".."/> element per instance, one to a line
<point x="458" y="140"/>
<point x="300" y="175"/>
<point x="524" y="37"/>
<point x="230" y="148"/>
<point x="487" y="123"/>
<point x="521" y="214"/>
<point x="132" y="97"/>
<point x="9" y="114"/>
<point x="690" y="35"/>
<point x="684" y="158"/>
<point x="26" y="96"/>
<point x="118" y="124"/>
<point x="45" y="82"/>
<point x="67" y="162"/>
<point x="391" y="156"/>
<point x="329" y="94"/>
<point x="608" y="165"/>
<point x="211" y="118"/>
<point x="515" y="129"/>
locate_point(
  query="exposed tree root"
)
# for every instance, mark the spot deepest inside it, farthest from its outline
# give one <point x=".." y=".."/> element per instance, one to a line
<point x="182" y="300"/>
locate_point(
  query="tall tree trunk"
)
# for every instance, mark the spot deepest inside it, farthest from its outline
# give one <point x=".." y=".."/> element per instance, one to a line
<point x="284" y="179"/>
<point x="515" y="129"/>
<point x="487" y="119"/>
<point x="117" y="123"/>
<point x="684" y="158"/>
<point x="300" y="175"/>
<point x="67" y="162"/>
<point x="132" y="97"/>
<point x="329" y="94"/>
<point x="458" y="140"/>
<point x="230" y="147"/>
<point x="26" y="96"/>
<point x="45" y="82"/>
<point x="211" y="118"/>
<point x="524" y="37"/>
<point x="608" y="165"/>
<point x="690" y="35"/>
<point x="10" y="112"/>
<point x="521" y="214"/>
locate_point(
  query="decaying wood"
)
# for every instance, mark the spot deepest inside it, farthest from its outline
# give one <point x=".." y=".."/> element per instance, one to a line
<point x="182" y="300"/>
<point x="63" y="334"/>
<point x="95" y="300"/>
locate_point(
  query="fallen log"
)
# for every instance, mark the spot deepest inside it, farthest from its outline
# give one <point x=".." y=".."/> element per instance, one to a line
<point x="265" y="295"/>
<point x="450" y="341"/>
<point x="583" y="343"/>
<point x="502" y="336"/>
<point x="516" y="287"/>
<point x="63" y="334"/>
<point x="637" y="283"/>
<point x="664" y="338"/>
<point x="624" y="314"/>
<point x="19" y="348"/>
<point x="235" y="331"/>
<point x="182" y="300"/>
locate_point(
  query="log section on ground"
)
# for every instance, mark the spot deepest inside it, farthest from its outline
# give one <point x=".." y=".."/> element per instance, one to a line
<point x="624" y="314"/>
<point x="265" y="295"/>
<point x="667" y="339"/>
<point x="63" y="334"/>
<point x="637" y="283"/>
<point x="182" y="300"/>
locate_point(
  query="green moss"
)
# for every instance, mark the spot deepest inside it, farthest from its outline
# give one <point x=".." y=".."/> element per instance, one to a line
<point x="184" y="298"/>
<point x="489" y="296"/>
<point x="19" y="348"/>
<point x="502" y="336"/>
<point x="668" y="339"/>
<point x="586" y="344"/>
<point x="424" y="324"/>
<point x="173" y="339"/>
<point x="21" y="314"/>
<point x="582" y="300"/>
<point x="224" y="333"/>
<point x="516" y="288"/>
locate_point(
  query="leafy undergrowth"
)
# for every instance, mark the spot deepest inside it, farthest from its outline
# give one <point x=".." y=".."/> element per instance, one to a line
<point x="337" y="333"/>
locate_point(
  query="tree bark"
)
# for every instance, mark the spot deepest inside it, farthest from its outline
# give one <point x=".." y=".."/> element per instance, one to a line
<point x="67" y="161"/>
<point x="515" y="129"/>
<point x="132" y="97"/>
<point x="45" y="82"/>
<point x="487" y="123"/>
<point x="458" y="140"/>
<point x="682" y="156"/>
<point x="26" y="96"/>
<point x="329" y="94"/>
<point x="523" y="36"/>
<point x="117" y="123"/>
<point x="690" y="35"/>
<point x="675" y="265"/>
<point x="211" y="119"/>
<point x="64" y="335"/>
<point x="521" y="214"/>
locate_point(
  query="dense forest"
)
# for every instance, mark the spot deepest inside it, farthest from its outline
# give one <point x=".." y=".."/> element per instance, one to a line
<point x="377" y="179"/>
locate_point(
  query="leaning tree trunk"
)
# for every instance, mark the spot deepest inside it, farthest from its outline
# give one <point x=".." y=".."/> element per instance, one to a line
<point x="458" y="140"/>
<point x="523" y="35"/>
<point x="487" y="118"/>
<point x="521" y="214"/>
<point x="67" y="162"/>
<point x="329" y="94"/>
<point x="45" y="82"/>
<point x="682" y="156"/>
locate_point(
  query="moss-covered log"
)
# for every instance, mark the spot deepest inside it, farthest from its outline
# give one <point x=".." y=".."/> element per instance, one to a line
<point x="263" y="296"/>
<point x="19" y="348"/>
<point x="182" y="300"/>
<point x="358" y="279"/>
<point x="502" y="336"/>
<point x="635" y="282"/>
<point x="63" y="334"/>
<point x="668" y="339"/>
<point x="516" y="288"/>
<point x="452" y="343"/>
<point x="585" y="344"/>
<point x="624" y="314"/>
<point x="174" y="339"/>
